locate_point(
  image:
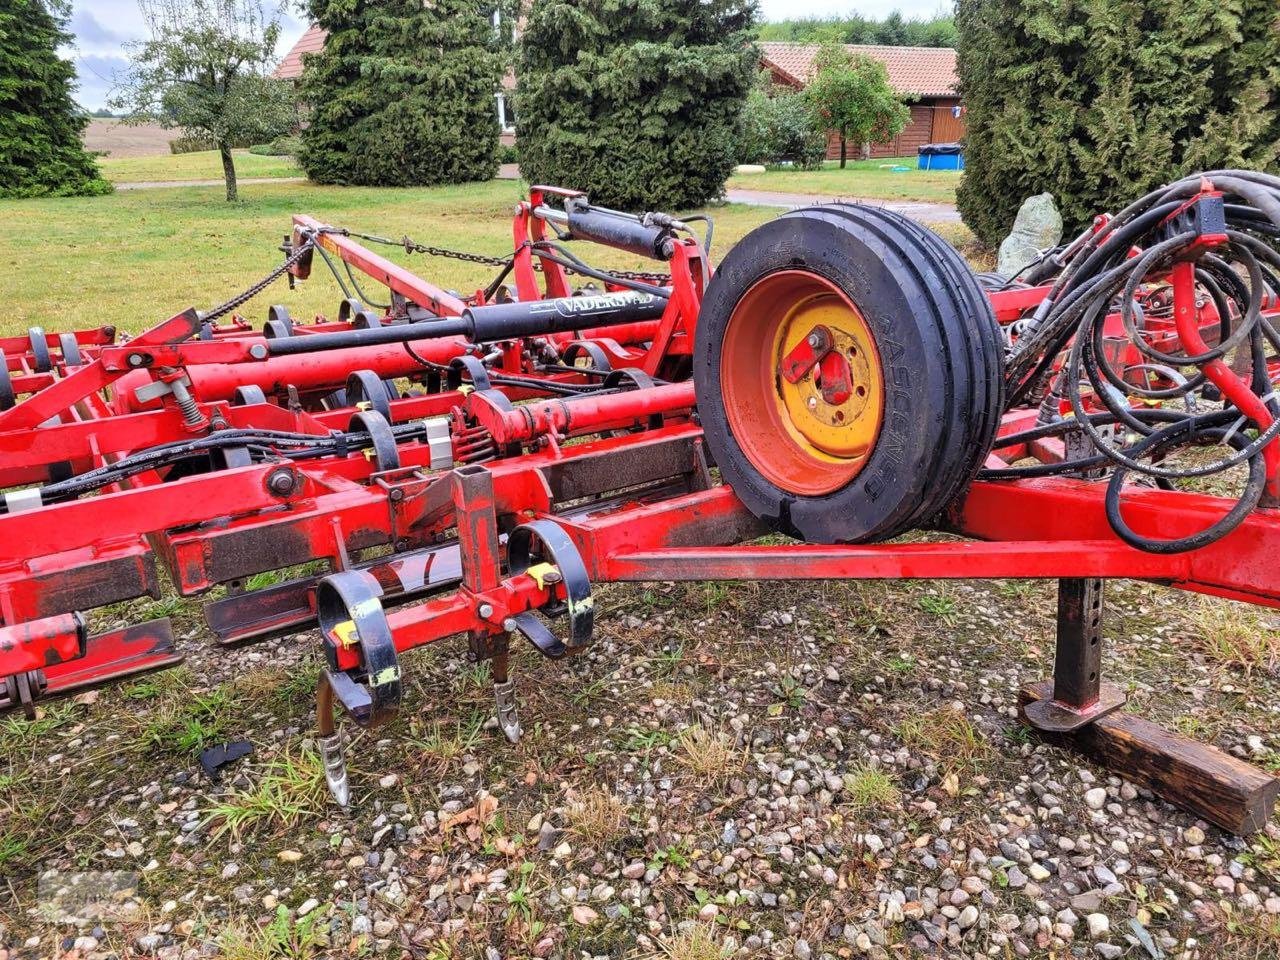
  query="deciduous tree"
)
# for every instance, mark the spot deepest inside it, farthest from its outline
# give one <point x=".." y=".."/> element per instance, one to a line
<point x="851" y="94"/>
<point x="206" y="68"/>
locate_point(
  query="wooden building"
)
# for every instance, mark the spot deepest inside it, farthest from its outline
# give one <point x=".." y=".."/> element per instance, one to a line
<point x="924" y="76"/>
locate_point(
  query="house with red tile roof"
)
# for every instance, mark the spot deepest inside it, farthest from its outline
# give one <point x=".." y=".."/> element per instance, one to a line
<point x="924" y="76"/>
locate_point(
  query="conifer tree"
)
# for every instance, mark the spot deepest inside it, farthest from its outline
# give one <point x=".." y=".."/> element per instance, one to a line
<point x="1099" y="101"/>
<point x="41" y="153"/>
<point x="403" y="92"/>
<point x="637" y="102"/>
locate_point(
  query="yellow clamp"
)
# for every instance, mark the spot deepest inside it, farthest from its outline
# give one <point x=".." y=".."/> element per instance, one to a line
<point x="364" y="405"/>
<point x="345" y="633"/>
<point x="539" y="572"/>
<point x="466" y="388"/>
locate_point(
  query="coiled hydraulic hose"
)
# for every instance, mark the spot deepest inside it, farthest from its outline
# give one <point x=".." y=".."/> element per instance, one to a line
<point x="1124" y="268"/>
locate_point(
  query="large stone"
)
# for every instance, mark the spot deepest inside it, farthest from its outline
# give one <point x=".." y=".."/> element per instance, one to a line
<point x="1037" y="227"/>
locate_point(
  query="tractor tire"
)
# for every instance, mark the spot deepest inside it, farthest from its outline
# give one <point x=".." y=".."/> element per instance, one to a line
<point x="883" y="440"/>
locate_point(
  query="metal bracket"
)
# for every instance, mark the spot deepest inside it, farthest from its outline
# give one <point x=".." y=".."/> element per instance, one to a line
<point x="561" y="563"/>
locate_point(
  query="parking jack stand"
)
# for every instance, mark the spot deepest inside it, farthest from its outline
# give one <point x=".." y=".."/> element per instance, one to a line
<point x="1079" y="695"/>
<point x="1076" y="710"/>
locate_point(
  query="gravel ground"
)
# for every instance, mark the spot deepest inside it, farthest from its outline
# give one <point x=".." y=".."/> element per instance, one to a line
<point x="808" y="771"/>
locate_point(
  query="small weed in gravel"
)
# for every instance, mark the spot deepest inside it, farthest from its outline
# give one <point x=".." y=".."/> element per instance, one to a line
<point x="946" y="735"/>
<point x="708" y="754"/>
<point x="283" y="938"/>
<point x="870" y="789"/>
<point x="1232" y="635"/>
<point x="697" y="943"/>
<point x="185" y="723"/>
<point x="597" y="816"/>
<point x="291" y="789"/>
<point x="18" y="731"/>
<point x="440" y="746"/>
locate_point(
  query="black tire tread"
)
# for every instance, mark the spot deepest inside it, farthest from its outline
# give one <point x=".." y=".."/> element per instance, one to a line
<point x="956" y="326"/>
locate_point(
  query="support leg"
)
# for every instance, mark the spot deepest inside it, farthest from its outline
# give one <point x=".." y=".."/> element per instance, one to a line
<point x="1077" y="710"/>
<point x="1079" y="695"/>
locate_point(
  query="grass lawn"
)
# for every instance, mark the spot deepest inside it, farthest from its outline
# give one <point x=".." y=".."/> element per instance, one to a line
<point x="204" y="165"/>
<point x="869" y="179"/>
<point x="137" y="257"/>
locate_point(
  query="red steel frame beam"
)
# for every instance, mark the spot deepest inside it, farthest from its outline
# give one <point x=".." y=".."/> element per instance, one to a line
<point x="391" y="275"/>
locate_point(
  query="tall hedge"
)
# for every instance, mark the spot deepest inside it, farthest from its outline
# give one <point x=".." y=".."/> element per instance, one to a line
<point x="1096" y="101"/>
<point x="638" y="102"/>
<point x="402" y="94"/>
<point x="41" y="153"/>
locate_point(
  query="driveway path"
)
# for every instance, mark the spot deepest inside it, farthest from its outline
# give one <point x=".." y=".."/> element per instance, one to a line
<point x="915" y="209"/>
<point x="242" y="181"/>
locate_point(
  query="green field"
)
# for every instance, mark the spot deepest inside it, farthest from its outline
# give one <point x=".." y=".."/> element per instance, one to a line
<point x="137" y="257"/>
<point x="205" y="165"/>
<point x="869" y="179"/>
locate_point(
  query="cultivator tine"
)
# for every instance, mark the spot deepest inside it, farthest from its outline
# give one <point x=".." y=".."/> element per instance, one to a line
<point x="335" y="764"/>
<point x="335" y="769"/>
<point x="504" y="696"/>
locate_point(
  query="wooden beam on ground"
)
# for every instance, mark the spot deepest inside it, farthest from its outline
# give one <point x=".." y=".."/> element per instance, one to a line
<point x="1226" y="791"/>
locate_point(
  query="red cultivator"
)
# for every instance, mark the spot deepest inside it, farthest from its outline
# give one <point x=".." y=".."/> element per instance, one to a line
<point x="474" y="465"/>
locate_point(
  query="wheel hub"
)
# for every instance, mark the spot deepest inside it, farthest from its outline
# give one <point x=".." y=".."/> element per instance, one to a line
<point x="828" y="401"/>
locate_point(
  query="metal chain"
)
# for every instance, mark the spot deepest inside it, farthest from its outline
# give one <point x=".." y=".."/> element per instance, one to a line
<point x="412" y="246"/>
<point x="640" y="276"/>
<point x="251" y="292"/>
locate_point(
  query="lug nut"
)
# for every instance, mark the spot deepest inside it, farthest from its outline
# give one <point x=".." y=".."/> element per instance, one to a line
<point x="485" y="610"/>
<point x="509" y="624"/>
<point x="813" y="403"/>
<point x="815" y="340"/>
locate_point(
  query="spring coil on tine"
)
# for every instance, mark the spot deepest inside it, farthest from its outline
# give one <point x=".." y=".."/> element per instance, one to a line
<point x="475" y="445"/>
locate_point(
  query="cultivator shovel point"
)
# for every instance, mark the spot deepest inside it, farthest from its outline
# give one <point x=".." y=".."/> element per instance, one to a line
<point x="474" y="465"/>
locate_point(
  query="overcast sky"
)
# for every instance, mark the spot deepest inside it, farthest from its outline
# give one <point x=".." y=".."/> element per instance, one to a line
<point x="102" y="27"/>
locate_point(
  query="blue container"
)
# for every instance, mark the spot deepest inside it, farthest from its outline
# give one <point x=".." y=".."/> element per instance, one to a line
<point x="941" y="156"/>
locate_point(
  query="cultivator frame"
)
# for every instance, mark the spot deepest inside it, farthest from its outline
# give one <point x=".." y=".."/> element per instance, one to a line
<point x="550" y="441"/>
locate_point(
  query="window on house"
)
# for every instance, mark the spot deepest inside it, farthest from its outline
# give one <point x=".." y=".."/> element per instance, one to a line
<point x="506" y="114"/>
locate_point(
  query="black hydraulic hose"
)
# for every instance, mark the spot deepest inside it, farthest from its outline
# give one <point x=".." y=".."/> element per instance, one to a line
<point x="567" y="259"/>
<point x="344" y="339"/>
<point x="1241" y="278"/>
<point x="1249" y="499"/>
<point x="267" y="444"/>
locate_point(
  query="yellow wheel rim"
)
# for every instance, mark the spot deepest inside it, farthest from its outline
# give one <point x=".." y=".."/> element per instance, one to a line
<point x="801" y="437"/>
